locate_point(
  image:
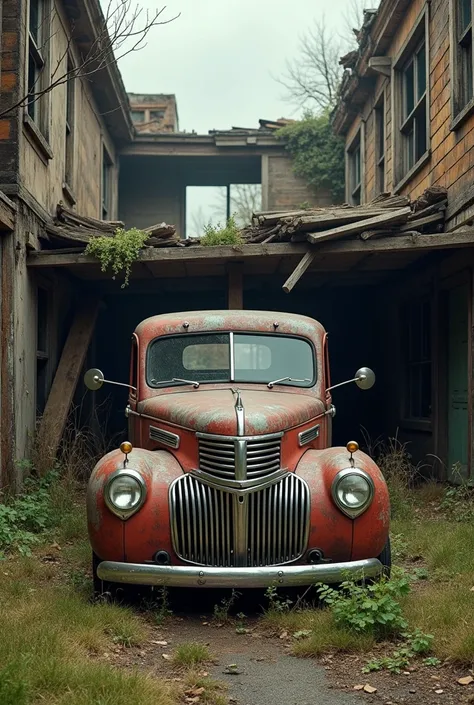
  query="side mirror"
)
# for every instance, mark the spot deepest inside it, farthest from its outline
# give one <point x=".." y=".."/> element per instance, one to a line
<point x="94" y="379"/>
<point x="365" y="378"/>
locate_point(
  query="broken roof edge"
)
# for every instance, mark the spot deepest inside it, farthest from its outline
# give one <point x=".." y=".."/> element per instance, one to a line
<point x="374" y="42"/>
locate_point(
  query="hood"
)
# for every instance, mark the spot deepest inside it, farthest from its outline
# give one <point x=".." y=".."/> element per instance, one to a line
<point x="213" y="410"/>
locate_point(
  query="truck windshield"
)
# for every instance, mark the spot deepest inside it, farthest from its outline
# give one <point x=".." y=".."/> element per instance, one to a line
<point x="230" y="357"/>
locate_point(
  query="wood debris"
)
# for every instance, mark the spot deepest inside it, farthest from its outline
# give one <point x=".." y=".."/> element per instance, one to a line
<point x="387" y="215"/>
<point x="69" y="227"/>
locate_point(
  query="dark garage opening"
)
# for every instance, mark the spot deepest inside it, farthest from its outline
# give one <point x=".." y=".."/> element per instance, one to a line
<point x="349" y="315"/>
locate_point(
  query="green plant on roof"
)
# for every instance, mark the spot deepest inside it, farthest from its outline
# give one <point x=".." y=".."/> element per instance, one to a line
<point x="218" y="235"/>
<point x="118" y="253"/>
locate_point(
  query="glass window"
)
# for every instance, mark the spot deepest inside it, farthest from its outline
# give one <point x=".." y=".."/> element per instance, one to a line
<point x="138" y="115"/>
<point x="462" y="56"/>
<point x="414" y="118"/>
<point x="209" y="358"/>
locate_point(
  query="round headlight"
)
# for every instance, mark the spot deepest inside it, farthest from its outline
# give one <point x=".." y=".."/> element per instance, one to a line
<point x="352" y="491"/>
<point x="125" y="492"/>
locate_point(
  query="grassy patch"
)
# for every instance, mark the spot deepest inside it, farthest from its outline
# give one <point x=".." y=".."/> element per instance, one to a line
<point x="434" y="544"/>
<point x="191" y="654"/>
<point x="53" y="640"/>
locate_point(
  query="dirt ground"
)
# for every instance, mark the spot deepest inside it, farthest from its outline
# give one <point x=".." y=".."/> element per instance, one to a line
<point x="259" y="668"/>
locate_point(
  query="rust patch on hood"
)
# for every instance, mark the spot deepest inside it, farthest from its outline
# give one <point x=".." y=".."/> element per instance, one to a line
<point x="213" y="411"/>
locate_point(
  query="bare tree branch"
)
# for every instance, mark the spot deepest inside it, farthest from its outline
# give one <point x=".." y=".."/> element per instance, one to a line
<point x="123" y="29"/>
<point x="313" y="77"/>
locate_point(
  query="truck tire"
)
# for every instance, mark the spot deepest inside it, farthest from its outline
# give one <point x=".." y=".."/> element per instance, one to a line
<point x="103" y="590"/>
<point x="386" y="559"/>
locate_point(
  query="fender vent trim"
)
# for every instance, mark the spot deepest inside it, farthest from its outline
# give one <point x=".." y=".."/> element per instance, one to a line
<point x="166" y="438"/>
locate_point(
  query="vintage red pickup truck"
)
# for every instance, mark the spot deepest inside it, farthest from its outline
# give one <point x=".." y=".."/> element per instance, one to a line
<point x="229" y="478"/>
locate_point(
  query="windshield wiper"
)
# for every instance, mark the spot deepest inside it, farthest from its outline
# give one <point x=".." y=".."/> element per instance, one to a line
<point x="176" y="379"/>
<point x="270" y="385"/>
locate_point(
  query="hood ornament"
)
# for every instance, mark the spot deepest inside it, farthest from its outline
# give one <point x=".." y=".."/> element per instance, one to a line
<point x="239" y="412"/>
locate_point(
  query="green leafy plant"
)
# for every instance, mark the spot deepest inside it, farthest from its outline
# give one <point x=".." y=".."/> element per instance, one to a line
<point x="218" y="235"/>
<point x="118" y="253"/>
<point x="368" y="608"/>
<point x="415" y="644"/>
<point x="318" y="154"/>
<point x="221" y="611"/>
<point x="275" y="602"/>
<point x="24" y="518"/>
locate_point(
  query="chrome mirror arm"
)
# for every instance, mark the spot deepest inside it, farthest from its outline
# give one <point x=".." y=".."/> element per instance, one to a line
<point x="341" y="384"/>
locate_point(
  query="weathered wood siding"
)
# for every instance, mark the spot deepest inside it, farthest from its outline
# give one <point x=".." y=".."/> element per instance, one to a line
<point x="451" y="159"/>
<point x="43" y="178"/>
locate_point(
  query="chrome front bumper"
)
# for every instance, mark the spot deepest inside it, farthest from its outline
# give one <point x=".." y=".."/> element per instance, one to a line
<point x="208" y="577"/>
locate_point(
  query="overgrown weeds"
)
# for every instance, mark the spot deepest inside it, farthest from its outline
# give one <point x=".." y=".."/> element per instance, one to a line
<point x="118" y="253"/>
<point x="218" y="235"/>
<point x="191" y="654"/>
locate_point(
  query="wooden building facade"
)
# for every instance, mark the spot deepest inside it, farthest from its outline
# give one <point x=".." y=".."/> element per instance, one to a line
<point x="406" y="112"/>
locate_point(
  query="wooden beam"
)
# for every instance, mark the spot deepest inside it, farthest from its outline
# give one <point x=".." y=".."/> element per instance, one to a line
<point x="391" y="216"/>
<point x="8" y="474"/>
<point x="296" y="275"/>
<point x="64" y="384"/>
<point x="7" y="213"/>
<point x="397" y="243"/>
<point x="381" y="64"/>
<point x="235" y="285"/>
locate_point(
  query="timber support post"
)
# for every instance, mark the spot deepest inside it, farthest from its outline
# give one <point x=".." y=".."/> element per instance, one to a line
<point x="235" y="277"/>
<point x="64" y="385"/>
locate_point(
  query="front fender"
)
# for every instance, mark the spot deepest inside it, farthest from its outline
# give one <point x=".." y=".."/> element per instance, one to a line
<point x="338" y="536"/>
<point x="139" y="537"/>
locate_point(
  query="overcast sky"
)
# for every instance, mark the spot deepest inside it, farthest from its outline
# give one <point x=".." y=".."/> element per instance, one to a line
<point x="219" y="57"/>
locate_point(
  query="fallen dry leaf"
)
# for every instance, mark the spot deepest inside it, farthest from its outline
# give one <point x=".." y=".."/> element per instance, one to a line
<point x="194" y="692"/>
<point x="167" y="657"/>
<point x="358" y="687"/>
<point x="204" y="674"/>
<point x="466" y="680"/>
<point x="284" y="635"/>
<point x="160" y="643"/>
<point x="439" y="691"/>
<point x="192" y="700"/>
<point x="369" y="688"/>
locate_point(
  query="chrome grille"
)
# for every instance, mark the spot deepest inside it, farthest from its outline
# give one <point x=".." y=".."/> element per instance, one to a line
<point x="278" y="522"/>
<point x="261" y="456"/>
<point x="208" y="524"/>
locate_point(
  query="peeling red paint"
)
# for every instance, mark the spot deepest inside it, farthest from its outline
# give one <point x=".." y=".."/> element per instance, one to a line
<point x="210" y="409"/>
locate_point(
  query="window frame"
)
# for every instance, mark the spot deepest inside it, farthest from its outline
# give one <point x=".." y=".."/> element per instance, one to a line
<point x="380" y="136"/>
<point x="355" y="190"/>
<point x="414" y="316"/>
<point x="418" y="37"/>
<point x="36" y="112"/>
<point x="461" y="108"/>
<point x="70" y="125"/>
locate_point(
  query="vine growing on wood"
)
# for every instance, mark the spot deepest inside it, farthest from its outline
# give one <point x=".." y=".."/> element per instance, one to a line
<point x="318" y="154"/>
<point x="118" y="253"/>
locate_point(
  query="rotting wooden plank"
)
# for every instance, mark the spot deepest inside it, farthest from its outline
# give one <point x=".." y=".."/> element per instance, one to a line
<point x="298" y="272"/>
<point x="64" y="384"/>
<point x="395" y="216"/>
<point x="235" y="285"/>
<point x="419" y="222"/>
<point x="464" y="238"/>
